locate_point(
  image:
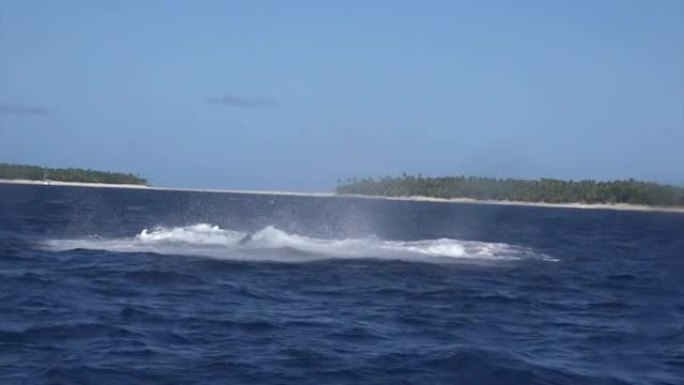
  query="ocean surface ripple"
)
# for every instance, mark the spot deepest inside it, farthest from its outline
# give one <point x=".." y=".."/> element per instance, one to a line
<point x="117" y="286"/>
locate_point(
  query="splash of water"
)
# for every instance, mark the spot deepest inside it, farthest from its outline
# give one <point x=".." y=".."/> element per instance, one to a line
<point x="271" y="243"/>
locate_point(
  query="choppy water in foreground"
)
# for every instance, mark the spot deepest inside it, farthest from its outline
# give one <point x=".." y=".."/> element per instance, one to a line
<point x="115" y="286"/>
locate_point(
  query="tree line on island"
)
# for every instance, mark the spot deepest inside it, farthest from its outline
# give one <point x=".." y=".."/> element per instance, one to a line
<point x="542" y="190"/>
<point x="20" y="171"/>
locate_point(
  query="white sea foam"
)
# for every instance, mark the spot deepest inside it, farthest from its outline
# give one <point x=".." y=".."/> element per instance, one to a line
<point x="271" y="243"/>
<point x="201" y="234"/>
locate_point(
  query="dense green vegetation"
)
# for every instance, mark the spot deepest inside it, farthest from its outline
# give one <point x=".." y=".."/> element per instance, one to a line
<point x="18" y="171"/>
<point x="542" y="190"/>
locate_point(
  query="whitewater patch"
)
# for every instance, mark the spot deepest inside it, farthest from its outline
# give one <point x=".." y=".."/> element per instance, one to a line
<point x="273" y="244"/>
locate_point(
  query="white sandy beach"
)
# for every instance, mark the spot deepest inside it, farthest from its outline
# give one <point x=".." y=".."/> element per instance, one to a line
<point x="73" y="184"/>
<point x="578" y="205"/>
<point x="157" y="188"/>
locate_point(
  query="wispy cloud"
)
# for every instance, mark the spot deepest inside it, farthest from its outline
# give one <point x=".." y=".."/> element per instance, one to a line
<point x="242" y="101"/>
<point x="19" y="109"/>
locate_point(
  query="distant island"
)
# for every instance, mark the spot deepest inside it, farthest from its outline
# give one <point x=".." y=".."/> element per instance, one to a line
<point x="73" y="175"/>
<point x="544" y="190"/>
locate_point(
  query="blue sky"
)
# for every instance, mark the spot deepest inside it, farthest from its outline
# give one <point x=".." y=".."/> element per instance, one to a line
<point x="297" y="94"/>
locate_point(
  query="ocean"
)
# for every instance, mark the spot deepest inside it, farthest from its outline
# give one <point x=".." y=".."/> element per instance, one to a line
<point x="134" y="286"/>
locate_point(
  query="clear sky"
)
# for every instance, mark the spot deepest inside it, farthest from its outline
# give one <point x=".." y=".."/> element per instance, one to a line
<point x="297" y="94"/>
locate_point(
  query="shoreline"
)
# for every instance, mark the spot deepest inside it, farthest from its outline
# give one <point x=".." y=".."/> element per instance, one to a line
<point x="574" y="205"/>
<point x="577" y="205"/>
<point x="159" y="188"/>
<point x="72" y="184"/>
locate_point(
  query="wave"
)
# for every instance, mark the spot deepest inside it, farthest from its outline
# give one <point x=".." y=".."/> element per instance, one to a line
<point x="271" y="243"/>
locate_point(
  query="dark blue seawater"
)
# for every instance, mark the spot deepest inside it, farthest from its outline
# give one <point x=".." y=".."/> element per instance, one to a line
<point x="123" y="286"/>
